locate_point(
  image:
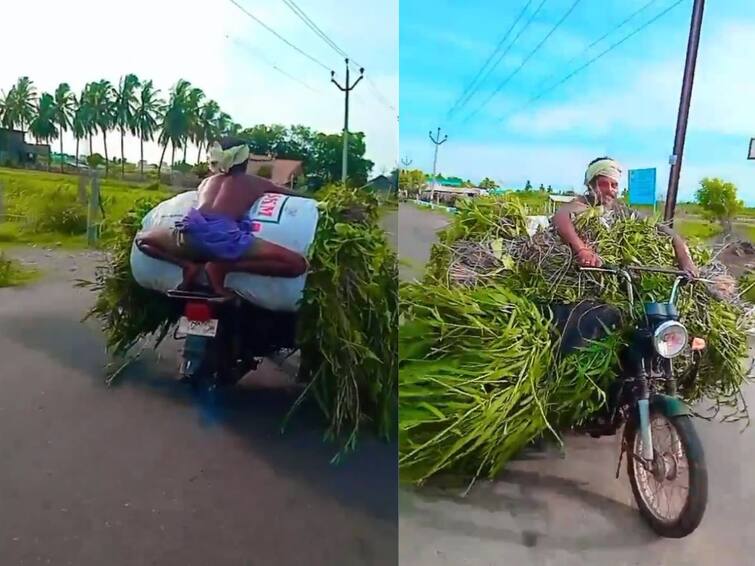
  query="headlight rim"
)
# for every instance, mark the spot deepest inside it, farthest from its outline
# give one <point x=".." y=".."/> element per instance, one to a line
<point x="663" y="327"/>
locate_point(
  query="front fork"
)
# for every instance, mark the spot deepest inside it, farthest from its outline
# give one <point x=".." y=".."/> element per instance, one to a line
<point x="643" y="413"/>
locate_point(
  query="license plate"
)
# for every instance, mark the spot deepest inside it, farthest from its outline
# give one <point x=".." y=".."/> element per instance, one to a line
<point x="207" y="328"/>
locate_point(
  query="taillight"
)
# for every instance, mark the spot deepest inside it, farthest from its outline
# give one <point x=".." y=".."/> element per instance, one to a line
<point x="198" y="312"/>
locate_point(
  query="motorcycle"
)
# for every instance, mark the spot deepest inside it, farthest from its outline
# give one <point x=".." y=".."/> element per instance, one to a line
<point x="661" y="444"/>
<point x="226" y="338"/>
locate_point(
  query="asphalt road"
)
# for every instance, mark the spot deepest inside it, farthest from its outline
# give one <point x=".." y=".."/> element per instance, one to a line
<point x="141" y="473"/>
<point x="572" y="511"/>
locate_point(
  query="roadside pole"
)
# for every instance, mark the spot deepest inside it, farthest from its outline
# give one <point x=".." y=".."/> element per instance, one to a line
<point x="684" y="103"/>
<point x="346" y="90"/>
<point x="437" y="142"/>
<point x="93" y="225"/>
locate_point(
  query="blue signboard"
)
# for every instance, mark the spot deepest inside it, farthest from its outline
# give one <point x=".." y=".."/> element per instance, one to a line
<point x="642" y="186"/>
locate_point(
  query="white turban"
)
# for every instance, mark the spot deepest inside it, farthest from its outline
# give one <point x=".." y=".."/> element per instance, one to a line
<point x="606" y="168"/>
<point x="221" y="160"/>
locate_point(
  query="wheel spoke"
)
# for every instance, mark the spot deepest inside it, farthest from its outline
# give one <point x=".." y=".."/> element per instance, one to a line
<point x="666" y="498"/>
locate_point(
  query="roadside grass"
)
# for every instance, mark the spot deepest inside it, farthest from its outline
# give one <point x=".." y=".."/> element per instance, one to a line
<point x="44" y="208"/>
<point x="13" y="275"/>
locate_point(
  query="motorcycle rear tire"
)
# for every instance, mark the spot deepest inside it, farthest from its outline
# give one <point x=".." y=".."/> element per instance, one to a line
<point x="694" y="509"/>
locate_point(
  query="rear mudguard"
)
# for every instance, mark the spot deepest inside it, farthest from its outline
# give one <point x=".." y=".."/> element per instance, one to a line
<point x="194" y="352"/>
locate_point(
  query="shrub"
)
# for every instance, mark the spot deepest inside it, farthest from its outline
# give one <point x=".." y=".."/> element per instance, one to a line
<point x="6" y="270"/>
<point x="59" y="212"/>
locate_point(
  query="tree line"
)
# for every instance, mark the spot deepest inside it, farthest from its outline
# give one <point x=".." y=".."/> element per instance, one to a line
<point x="135" y="107"/>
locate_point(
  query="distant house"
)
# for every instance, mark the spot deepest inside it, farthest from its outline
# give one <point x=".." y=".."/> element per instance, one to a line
<point x="15" y="151"/>
<point x="455" y="182"/>
<point x="280" y="171"/>
<point x="381" y="186"/>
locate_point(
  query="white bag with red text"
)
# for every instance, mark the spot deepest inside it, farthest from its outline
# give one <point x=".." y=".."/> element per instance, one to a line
<point x="284" y="220"/>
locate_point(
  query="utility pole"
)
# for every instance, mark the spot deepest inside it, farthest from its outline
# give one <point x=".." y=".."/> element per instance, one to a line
<point x="437" y="142"/>
<point x="405" y="162"/>
<point x="346" y="90"/>
<point x="684" y="103"/>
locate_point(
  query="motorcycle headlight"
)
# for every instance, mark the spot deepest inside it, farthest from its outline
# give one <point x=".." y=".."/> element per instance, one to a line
<point x="670" y="338"/>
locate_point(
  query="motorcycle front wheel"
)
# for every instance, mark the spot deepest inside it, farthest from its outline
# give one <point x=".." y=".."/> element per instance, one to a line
<point x="671" y="491"/>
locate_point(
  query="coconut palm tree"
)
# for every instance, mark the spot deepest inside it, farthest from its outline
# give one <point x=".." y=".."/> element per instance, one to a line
<point x="146" y="115"/>
<point x="175" y="123"/>
<point x="42" y="125"/>
<point x="125" y="110"/>
<point x="234" y="128"/>
<point x="103" y="112"/>
<point x="20" y="104"/>
<point x="64" y="108"/>
<point x="222" y="125"/>
<point x="80" y="125"/>
<point x="205" y="128"/>
<point x="194" y="99"/>
<point x="86" y="105"/>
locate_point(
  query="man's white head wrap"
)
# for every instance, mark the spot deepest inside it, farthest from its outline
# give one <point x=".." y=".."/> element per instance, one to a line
<point x="221" y="160"/>
<point x="605" y="167"/>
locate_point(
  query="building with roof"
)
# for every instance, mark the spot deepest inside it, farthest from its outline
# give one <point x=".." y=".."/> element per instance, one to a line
<point x="15" y="151"/>
<point x="282" y="172"/>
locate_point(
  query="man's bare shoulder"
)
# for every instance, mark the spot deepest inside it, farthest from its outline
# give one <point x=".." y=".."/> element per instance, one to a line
<point x="577" y="205"/>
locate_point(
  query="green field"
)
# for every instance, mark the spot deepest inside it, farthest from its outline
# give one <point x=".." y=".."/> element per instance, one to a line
<point x="42" y="208"/>
<point x="698" y="228"/>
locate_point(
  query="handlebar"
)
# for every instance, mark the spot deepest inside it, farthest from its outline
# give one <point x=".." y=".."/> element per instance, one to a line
<point x="681" y="277"/>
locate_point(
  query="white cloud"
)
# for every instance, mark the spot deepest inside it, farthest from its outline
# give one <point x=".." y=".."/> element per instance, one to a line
<point x="639" y="104"/>
<point x="648" y="99"/>
<point x="78" y="41"/>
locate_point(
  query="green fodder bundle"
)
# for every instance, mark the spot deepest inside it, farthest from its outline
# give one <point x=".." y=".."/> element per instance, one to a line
<point x="348" y="331"/>
<point x="479" y="220"/>
<point x="127" y="312"/>
<point x="347" y="321"/>
<point x="542" y="268"/>
<point x="480" y="379"/>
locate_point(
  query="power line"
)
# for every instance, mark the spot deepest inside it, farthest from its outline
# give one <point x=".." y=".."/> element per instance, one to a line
<point x="626" y="20"/>
<point x="279" y="36"/>
<point x="490" y="58"/>
<point x="524" y="62"/>
<point x="594" y="59"/>
<point x="326" y="38"/>
<point x="314" y="27"/>
<point x="273" y="65"/>
<point x="505" y="52"/>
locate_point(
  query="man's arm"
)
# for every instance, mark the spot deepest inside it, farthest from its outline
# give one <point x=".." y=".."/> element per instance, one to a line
<point x="683" y="257"/>
<point x="267" y="186"/>
<point x="562" y="222"/>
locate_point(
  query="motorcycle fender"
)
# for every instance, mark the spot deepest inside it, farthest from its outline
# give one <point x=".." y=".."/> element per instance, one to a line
<point x="669" y="406"/>
<point x="195" y="348"/>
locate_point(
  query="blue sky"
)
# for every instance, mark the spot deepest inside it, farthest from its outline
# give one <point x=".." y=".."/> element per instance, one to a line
<point x="219" y="49"/>
<point x="623" y="105"/>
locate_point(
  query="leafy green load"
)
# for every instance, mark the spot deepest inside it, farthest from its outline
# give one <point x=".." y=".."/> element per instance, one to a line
<point x="128" y="312"/>
<point x="479" y="379"/>
<point x="479" y="257"/>
<point x="348" y="319"/>
<point x="348" y="331"/>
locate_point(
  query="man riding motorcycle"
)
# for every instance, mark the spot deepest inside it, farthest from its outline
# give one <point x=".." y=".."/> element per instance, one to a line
<point x="217" y="233"/>
<point x="602" y="179"/>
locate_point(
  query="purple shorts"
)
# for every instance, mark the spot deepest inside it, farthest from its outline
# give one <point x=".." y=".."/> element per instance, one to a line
<point x="214" y="236"/>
